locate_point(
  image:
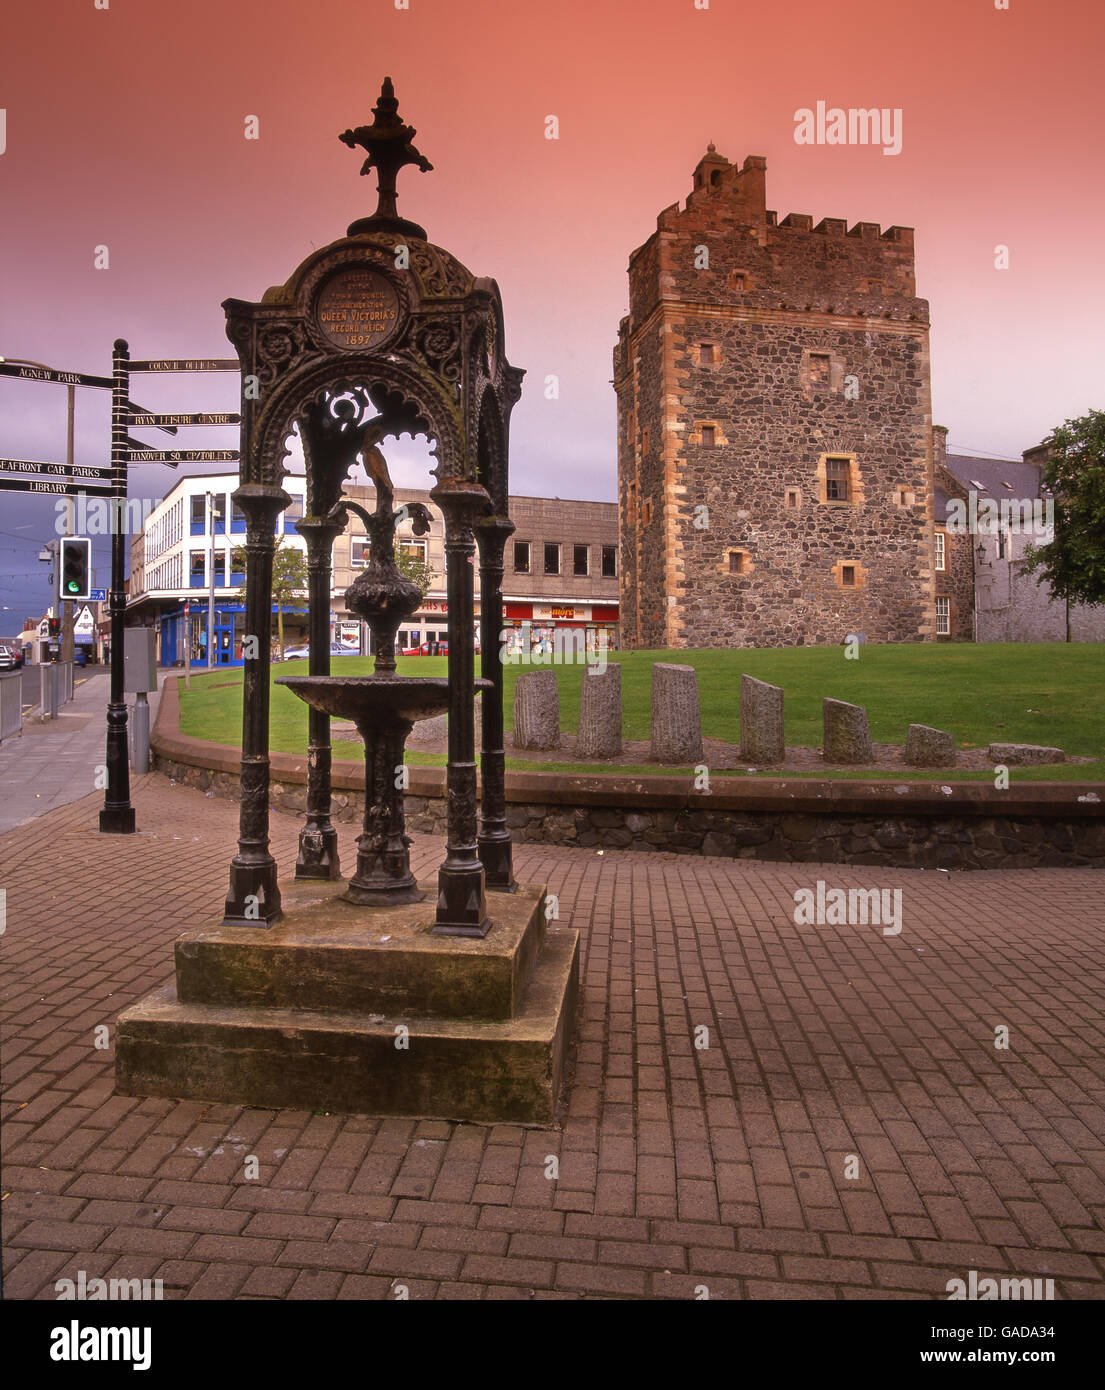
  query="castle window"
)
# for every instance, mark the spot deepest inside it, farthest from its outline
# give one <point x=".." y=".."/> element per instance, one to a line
<point x="610" y="562"/>
<point x="715" y="178"/>
<point x="646" y="512"/>
<point x="521" y="557"/>
<point x="705" y="354"/>
<point x="736" y="279"/>
<point x="1001" y="545"/>
<point x="943" y="615"/>
<point x="579" y="560"/>
<point x="848" y="576"/>
<point x="819" y="369"/>
<point x="708" y="435"/>
<point x="644" y="441"/>
<point x="552" y="557"/>
<point x="938" y="549"/>
<point x="736" y="562"/>
<point x="792" y="497"/>
<point x="838" y="480"/>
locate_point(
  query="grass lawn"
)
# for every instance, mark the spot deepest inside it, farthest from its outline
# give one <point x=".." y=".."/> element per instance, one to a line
<point x="1049" y="693"/>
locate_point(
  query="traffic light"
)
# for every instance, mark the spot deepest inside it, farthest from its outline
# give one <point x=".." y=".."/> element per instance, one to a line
<point x="74" y="567"/>
<point x="54" y="628"/>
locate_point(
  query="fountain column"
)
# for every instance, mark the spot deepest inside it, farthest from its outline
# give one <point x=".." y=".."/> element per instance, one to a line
<point x="318" y="840"/>
<point x="495" y="849"/>
<point x="461" y="903"/>
<point x="254" y="898"/>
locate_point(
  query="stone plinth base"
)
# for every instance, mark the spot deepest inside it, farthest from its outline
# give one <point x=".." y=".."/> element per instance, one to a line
<point x="308" y="1014"/>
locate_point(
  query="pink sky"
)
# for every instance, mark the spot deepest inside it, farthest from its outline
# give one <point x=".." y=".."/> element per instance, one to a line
<point x="125" y="128"/>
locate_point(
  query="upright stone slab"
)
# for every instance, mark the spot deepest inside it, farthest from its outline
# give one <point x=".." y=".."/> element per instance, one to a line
<point x="925" y="747"/>
<point x="676" y="724"/>
<point x="600" y="713"/>
<point x="761" y="722"/>
<point x="846" y="737"/>
<point x="536" y="711"/>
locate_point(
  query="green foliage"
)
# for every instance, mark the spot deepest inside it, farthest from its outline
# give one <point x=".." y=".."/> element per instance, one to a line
<point x="289" y="579"/>
<point x="412" y="567"/>
<point x="1073" y="563"/>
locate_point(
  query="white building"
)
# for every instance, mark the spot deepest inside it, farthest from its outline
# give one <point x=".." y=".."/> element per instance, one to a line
<point x="196" y="525"/>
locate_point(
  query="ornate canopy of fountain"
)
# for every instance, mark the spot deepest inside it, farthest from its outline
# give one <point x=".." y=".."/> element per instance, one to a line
<point x="376" y="335"/>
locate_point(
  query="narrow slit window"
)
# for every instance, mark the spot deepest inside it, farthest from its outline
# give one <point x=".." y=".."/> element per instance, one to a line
<point x="848" y="576"/>
<point x="708" y="435"/>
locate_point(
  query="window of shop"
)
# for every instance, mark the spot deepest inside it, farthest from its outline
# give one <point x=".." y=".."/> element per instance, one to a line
<point x="552" y="557"/>
<point x="358" y="554"/>
<point x="610" y="562"/>
<point x="579" y="560"/>
<point x="521" y="557"/>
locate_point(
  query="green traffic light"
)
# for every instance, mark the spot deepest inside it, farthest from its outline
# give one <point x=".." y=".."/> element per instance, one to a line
<point x="73" y="586"/>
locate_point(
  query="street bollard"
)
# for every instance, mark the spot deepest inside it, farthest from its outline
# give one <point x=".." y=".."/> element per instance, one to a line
<point x="141" y="725"/>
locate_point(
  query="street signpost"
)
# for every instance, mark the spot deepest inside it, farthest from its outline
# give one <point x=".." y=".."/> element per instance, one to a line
<point x="117" y="815"/>
<point x="204" y="417"/>
<point x="140" y="454"/>
<point x="57" y="470"/>
<point x="189" y="364"/>
<point x="62" y="489"/>
<point x="26" y="373"/>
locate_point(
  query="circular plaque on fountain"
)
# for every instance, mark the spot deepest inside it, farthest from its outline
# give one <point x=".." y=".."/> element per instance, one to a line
<point x="357" y="309"/>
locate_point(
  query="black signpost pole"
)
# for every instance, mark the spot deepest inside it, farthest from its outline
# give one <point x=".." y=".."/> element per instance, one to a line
<point x="117" y="816"/>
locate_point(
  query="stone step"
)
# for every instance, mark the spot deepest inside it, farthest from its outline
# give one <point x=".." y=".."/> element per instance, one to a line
<point x="487" y="1071"/>
<point x="330" y="955"/>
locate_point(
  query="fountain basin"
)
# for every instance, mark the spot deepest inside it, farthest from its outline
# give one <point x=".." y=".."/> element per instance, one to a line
<point x="375" y="699"/>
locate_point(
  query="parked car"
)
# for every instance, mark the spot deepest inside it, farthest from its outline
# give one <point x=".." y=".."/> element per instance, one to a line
<point x="434" y="649"/>
<point x="301" y="653"/>
<point x="11" y="656"/>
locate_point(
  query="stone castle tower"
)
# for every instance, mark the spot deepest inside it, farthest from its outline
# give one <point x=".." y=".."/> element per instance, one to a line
<point x="775" y="465"/>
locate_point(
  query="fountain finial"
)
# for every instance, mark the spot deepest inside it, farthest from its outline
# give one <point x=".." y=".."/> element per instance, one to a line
<point x="390" y="145"/>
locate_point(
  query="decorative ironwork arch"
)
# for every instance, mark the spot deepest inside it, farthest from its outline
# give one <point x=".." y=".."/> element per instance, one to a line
<point x="381" y="317"/>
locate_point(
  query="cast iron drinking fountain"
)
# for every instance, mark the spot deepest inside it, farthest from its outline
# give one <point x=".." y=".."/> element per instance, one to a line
<point x="384" y="706"/>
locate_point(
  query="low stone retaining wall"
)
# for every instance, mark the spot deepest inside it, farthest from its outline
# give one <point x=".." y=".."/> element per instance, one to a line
<point x="895" y="824"/>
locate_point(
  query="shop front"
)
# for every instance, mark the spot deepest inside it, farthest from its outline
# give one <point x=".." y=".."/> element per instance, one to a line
<point x="534" y="625"/>
<point x="185" y="631"/>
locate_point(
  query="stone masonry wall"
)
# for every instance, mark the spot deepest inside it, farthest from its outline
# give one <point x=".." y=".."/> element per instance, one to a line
<point x="951" y="841"/>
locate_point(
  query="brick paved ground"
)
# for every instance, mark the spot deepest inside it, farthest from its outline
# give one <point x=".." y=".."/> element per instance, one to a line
<point x="678" y="1167"/>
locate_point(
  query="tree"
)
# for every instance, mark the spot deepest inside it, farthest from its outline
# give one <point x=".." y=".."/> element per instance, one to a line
<point x="1073" y="563"/>
<point x="412" y="566"/>
<point x="289" y="579"/>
